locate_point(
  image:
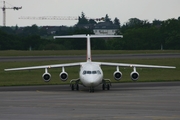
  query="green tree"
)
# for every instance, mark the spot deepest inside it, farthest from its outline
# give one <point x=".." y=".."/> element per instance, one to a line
<point x="157" y="22"/>
<point x="107" y="19"/>
<point x="82" y="19"/>
<point x="133" y="22"/>
<point x="117" y="22"/>
<point x="30" y="30"/>
<point x="171" y="34"/>
<point x="33" y="41"/>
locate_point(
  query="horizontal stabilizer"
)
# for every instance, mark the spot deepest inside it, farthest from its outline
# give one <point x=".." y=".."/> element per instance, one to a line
<point x="89" y="36"/>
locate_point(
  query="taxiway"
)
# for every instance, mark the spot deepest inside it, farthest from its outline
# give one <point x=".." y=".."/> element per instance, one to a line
<point x="125" y="101"/>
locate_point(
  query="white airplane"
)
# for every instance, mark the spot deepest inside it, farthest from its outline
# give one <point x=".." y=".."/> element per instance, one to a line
<point x="91" y="74"/>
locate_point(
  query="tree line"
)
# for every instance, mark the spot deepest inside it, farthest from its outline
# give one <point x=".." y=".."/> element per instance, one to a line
<point x="138" y="35"/>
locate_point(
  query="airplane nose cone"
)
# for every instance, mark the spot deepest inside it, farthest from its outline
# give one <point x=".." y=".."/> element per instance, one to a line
<point x="93" y="81"/>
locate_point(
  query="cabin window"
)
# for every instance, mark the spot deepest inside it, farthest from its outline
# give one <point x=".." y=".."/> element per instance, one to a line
<point x="98" y="72"/>
<point x="88" y="72"/>
<point x="91" y="72"/>
<point x="94" y="72"/>
<point x="84" y="72"/>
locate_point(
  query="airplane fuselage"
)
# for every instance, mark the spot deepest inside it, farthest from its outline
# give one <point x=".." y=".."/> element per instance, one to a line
<point x="91" y="74"/>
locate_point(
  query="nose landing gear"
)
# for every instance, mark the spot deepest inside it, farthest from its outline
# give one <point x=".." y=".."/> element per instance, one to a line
<point x="91" y="90"/>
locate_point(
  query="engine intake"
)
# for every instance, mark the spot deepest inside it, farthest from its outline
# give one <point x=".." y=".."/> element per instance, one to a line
<point x="117" y="75"/>
<point x="46" y="77"/>
<point x="63" y="76"/>
<point x="134" y="76"/>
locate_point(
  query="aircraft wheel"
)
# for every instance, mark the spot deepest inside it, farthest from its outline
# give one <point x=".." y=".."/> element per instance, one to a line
<point x="91" y="90"/>
<point x="72" y="87"/>
<point x="103" y="86"/>
<point x="108" y="86"/>
<point x="77" y="87"/>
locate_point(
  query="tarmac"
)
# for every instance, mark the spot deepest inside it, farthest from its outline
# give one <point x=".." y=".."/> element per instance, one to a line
<point x="125" y="101"/>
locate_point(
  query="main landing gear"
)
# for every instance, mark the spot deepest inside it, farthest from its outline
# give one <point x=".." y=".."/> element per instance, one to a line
<point x="74" y="84"/>
<point x="106" y="84"/>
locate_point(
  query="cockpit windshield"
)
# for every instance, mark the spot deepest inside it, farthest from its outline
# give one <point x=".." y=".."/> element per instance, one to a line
<point x="91" y="72"/>
<point x="94" y="72"/>
<point x="88" y="72"/>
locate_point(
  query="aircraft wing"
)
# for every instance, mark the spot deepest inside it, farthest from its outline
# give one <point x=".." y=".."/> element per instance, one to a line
<point x="46" y="66"/>
<point x="133" y="65"/>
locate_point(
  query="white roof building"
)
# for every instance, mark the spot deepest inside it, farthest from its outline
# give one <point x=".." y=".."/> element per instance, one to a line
<point x="107" y="28"/>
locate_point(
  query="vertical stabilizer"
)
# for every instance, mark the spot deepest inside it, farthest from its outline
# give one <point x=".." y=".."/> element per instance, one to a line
<point x="88" y="48"/>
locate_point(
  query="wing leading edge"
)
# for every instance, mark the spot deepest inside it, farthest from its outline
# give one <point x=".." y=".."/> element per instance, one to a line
<point x="133" y="65"/>
<point x="80" y="63"/>
<point x="46" y="66"/>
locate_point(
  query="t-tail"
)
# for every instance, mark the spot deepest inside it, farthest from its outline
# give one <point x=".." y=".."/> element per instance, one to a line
<point x="88" y="37"/>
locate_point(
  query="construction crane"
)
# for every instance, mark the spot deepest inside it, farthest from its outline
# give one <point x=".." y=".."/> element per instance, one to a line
<point x="4" y="11"/>
<point x="58" y="18"/>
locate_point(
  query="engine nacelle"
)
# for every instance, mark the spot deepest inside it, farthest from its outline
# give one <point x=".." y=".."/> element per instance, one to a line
<point x="134" y="76"/>
<point x="63" y="76"/>
<point x="46" y="77"/>
<point x="117" y="75"/>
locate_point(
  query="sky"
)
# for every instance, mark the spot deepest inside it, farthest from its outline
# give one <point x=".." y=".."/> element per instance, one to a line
<point x="122" y="9"/>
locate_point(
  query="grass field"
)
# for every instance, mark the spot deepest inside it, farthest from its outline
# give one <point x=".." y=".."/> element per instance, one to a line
<point x="34" y="77"/>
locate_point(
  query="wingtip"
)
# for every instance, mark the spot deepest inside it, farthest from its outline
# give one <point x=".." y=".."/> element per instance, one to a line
<point x="6" y="70"/>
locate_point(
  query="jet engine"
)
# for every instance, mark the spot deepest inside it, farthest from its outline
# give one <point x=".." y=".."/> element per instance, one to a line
<point x="63" y="76"/>
<point x="117" y="75"/>
<point x="46" y="77"/>
<point x="134" y="75"/>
